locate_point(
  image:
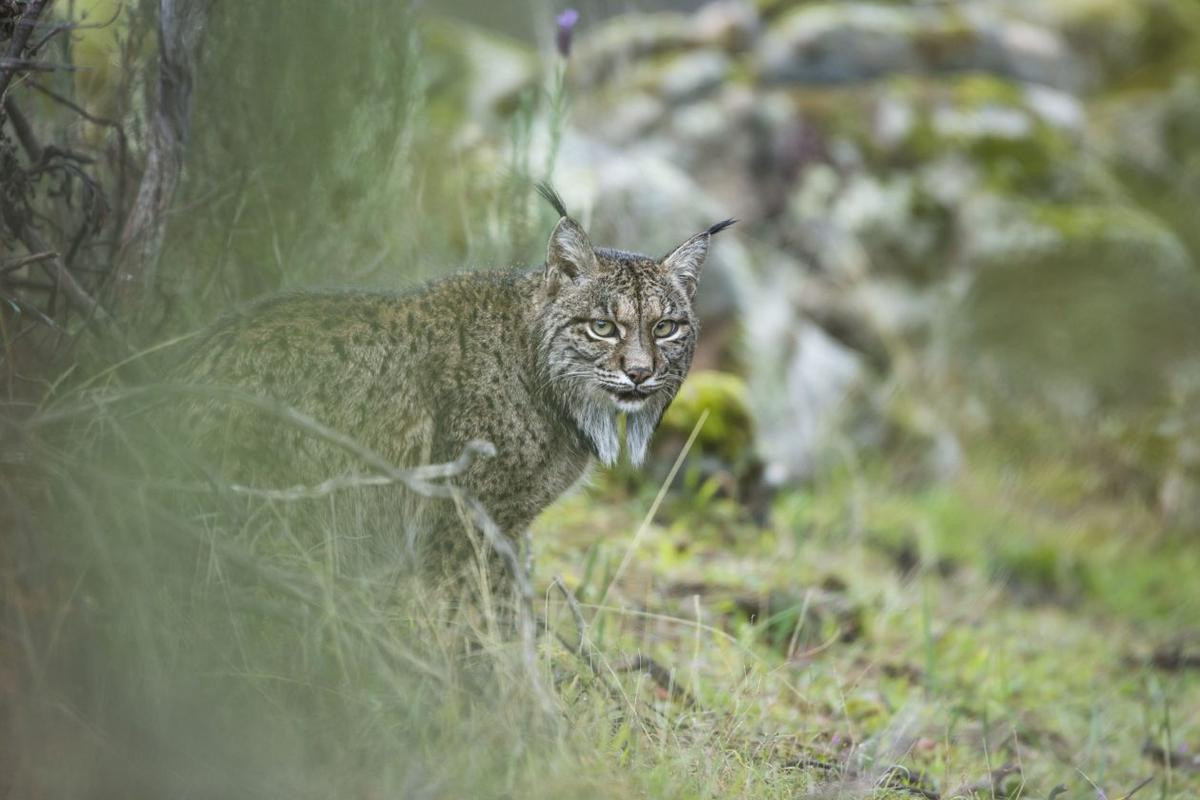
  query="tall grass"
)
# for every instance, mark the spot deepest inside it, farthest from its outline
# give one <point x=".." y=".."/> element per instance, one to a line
<point x="162" y="639"/>
<point x="157" y="644"/>
<point x="213" y="643"/>
<point x="214" y="649"/>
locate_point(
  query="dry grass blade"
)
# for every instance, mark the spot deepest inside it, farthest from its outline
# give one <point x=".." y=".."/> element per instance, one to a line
<point x="576" y="612"/>
<point x="662" y="493"/>
<point x="1145" y="782"/>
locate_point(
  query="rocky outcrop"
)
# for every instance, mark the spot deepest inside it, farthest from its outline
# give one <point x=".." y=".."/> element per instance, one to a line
<point x="945" y="206"/>
<point x="934" y="195"/>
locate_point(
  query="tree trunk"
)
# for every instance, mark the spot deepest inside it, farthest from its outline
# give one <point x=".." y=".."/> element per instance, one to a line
<point x="181" y="26"/>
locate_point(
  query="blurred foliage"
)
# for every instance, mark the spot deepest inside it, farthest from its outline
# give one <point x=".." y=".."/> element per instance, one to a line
<point x="290" y="110"/>
<point x="349" y="172"/>
<point x="883" y="612"/>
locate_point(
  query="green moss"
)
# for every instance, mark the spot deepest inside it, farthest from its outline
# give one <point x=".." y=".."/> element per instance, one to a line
<point x="1042" y="571"/>
<point x="978" y="89"/>
<point x="728" y="429"/>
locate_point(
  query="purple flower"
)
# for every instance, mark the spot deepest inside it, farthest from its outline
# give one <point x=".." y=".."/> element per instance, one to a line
<point x="566" y="22"/>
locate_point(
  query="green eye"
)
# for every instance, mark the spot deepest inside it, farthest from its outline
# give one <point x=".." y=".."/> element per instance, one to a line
<point x="665" y="328"/>
<point x="603" y="328"/>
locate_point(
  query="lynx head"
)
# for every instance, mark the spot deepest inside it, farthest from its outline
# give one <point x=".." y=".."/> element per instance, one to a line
<point x="616" y="331"/>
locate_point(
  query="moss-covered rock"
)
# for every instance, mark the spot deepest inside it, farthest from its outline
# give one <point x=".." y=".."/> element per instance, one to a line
<point x="1094" y="306"/>
<point x="626" y="40"/>
<point x="728" y="430"/>
<point x="852" y="42"/>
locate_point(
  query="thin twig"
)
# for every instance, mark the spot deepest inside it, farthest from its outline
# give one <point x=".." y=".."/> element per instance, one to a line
<point x="75" y="26"/>
<point x="576" y="611"/>
<point x="75" y="293"/>
<point x="1145" y="782"/>
<point x="584" y="650"/>
<point x="661" y="675"/>
<point x="32" y="311"/>
<point x="24" y="29"/>
<point x="123" y="164"/>
<point x="17" y="263"/>
<point x="78" y="109"/>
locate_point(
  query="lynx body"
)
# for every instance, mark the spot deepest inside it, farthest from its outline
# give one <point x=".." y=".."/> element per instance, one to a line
<point x="538" y="363"/>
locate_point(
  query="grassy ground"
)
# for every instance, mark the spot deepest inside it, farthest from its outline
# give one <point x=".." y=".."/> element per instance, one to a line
<point x="992" y="627"/>
<point x="1019" y="628"/>
<point x="992" y="637"/>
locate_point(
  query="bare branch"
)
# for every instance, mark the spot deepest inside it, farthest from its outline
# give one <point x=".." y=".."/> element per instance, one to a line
<point x="78" y="109"/>
<point x="24" y="30"/>
<point x="32" y="310"/>
<point x="576" y="612"/>
<point x="62" y="27"/>
<point x="17" y="263"/>
<point x="75" y="293"/>
<point x="1145" y="782"/>
<point x="24" y="130"/>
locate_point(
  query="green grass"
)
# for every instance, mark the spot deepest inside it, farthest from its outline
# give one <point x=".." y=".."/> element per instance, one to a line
<point x="950" y="631"/>
<point x="869" y="629"/>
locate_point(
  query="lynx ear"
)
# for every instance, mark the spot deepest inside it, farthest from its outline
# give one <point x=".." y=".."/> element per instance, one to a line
<point x="570" y="252"/>
<point x="685" y="262"/>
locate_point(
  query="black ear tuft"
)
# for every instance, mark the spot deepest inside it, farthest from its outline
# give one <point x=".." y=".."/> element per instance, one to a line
<point x="720" y="226"/>
<point x="552" y="197"/>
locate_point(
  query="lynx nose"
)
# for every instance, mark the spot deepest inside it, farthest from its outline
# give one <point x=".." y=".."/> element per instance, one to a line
<point x="638" y="374"/>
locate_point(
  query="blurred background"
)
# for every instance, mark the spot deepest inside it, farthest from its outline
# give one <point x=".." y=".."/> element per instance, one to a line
<point x="942" y="509"/>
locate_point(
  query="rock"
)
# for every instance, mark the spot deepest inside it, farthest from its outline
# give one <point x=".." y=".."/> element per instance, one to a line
<point x="620" y="43"/>
<point x="858" y="41"/>
<point x="1084" y="307"/>
<point x="714" y="140"/>
<point x="979" y="123"/>
<point x="833" y="43"/>
<point x="633" y="118"/>
<point x="690" y="75"/>
<point x="1027" y="52"/>
<point x="801" y="381"/>
<point x="891" y="309"/>
<point x="730" y="25"/>
<point x="894" y="123"/>
<point x="1151" y="131"/>
<point x="1056" y="108"/>
<point x="863" y="224"/>
<point x="935" y="188"/>
<point x="1115" y="37"/>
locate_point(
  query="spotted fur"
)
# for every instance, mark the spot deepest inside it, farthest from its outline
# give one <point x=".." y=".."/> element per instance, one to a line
<point x="525" y="360"/>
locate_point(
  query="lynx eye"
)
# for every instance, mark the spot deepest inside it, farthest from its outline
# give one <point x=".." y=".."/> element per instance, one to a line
<point x="665" y="328"/>
<point x="603" y="328"/>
